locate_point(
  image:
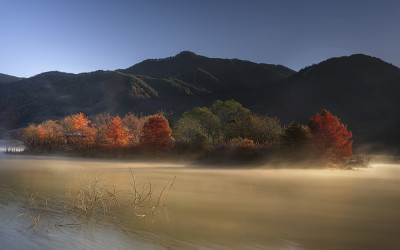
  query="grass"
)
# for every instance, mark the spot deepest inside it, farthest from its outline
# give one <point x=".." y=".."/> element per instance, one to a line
<point x="92" y="197"/>
<point x="95" y="199"/>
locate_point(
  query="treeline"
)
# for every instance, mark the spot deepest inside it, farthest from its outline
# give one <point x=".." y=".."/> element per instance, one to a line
<point x="226" y="129"/>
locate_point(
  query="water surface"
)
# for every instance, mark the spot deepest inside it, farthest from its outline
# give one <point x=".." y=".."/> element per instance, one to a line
<point x="207" y="208"/>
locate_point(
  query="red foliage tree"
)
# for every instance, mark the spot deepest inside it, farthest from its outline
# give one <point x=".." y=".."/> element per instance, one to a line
<point x="156" y="134"/>
<point x="330" y="137"/>
<point x="116" y="133"/>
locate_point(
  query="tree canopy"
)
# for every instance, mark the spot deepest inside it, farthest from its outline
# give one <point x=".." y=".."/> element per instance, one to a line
<point x="330" y="137"/>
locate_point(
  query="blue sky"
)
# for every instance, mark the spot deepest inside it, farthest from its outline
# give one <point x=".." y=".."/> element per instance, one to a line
<point x="87" y="35"/>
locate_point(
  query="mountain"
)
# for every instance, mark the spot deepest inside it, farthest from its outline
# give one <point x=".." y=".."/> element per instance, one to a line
<point x="362" y="90"/>
<point x="7" y="78"/>
<point x="52" y="95"/>
<point x="173" y="84"/>
<point x="223" y="78"/>
<point x="210" y="73"/>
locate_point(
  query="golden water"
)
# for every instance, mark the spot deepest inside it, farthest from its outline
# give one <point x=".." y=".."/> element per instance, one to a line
<point x="209" y="208"/>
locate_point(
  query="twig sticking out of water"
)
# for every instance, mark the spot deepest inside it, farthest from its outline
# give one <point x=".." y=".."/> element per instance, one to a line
<point x="31" y="198"/>
<point x="35" y="219"/>
<point x="95" y="197"/>
<point x="141" y="197"/>
<point x="35" y="208"/>
<point x="172" y="181"/>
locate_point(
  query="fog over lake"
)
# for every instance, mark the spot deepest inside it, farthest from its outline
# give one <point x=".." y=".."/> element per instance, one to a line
<point x="207" y="208"/>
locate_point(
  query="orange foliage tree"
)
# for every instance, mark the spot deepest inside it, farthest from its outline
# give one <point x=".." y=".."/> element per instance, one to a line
<point x="156" y="134"/>
<point x="80" y="134"/>
<point x="116" y="133"/>
<point x="30" y="137"/>
<point x="51" y="133"/>
<point x="46" y="135"/>
<point x="41" y="135"/>
<point x="330" y="137"/>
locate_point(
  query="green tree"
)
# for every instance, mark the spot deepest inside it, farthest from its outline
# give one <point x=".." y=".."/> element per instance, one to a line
<point x="228" y="111"/>
<point x="186" y="129"/>
<point x="237" y="121"/>
<point x="264" y="129"/>
<point x="232" y="116"/>
<point x="296" y="135"/>
<point x="209" y="123"/>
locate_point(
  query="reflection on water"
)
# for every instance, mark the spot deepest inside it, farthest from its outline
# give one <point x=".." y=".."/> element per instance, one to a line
<point x="207" y="208"/>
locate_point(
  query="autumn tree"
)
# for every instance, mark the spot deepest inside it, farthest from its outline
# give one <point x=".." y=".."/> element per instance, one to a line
<point x="134" y="125"/>
<point x="156" y="134"/>
<point x="44" y="136"/>
<point x="41" y="135"/>
<point x="80" y="134"/>
<point x="117" y="134"/>
<point x="51" y="134"/>
<point x="29" y="136"/>
<point x="101" y="122"/>
<point x="330" y="137"/>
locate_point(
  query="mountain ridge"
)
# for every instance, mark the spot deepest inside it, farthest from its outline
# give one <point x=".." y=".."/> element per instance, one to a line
<point x="362" y="90"/>
<point x="4" y="78"/>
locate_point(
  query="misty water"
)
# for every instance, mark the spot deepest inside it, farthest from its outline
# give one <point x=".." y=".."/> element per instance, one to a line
<point x="206" y="209"/>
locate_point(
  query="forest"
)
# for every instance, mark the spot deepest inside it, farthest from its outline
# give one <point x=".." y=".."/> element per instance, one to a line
<point x="223" y="132"/>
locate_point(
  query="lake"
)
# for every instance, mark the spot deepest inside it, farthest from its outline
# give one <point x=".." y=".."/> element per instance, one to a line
<point x="205" y="208"/>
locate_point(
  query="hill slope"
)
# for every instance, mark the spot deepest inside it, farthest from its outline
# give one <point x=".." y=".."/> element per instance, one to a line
<point x="7" y="78"/>
<point x="362" y="90"/>
<point x="178" y="85"/>
<point x="224" y="78"/>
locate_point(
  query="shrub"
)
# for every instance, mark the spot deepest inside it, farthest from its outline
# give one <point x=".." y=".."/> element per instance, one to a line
<point x="241" y="144"/>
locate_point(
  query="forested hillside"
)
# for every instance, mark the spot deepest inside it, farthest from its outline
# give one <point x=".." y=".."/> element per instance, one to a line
<point x="360" y="89"/>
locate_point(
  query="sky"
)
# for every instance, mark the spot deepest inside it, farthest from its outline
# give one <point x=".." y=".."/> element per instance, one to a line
<point x="86" y="35"/>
